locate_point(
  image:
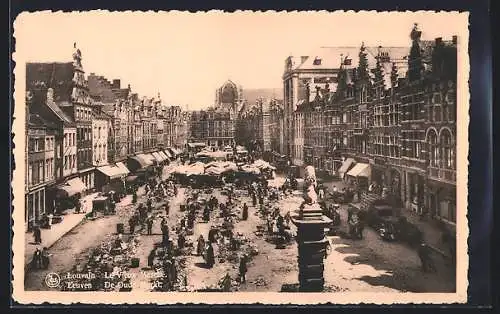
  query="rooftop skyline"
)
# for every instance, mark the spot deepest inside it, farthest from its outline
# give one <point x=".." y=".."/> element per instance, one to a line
<point x="185" y="57"/>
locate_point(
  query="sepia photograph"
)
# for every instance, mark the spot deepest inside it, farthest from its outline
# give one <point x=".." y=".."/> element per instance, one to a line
<point x="212" y="157"/>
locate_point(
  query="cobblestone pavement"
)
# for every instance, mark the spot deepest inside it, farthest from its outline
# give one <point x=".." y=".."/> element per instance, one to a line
<point x="368" y="265"/>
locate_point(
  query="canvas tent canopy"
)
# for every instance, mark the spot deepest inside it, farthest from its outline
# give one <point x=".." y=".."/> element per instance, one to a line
<point x="194" y="145"/>
<point x="157" y="157"/>
<point x="71" y="188"/>
<point x="168" y="153"/>
<point x="113" y="172"/>
<point x="122" y="166"/>
<point x="263" y="165"/>
<point x="163" y="155"/>
<point x="138" y="162"/>
<point x="360" y="170"/>
<point x="149" y="157"/>
<point x="176" y="151"/>
<point x="346" y="165"/>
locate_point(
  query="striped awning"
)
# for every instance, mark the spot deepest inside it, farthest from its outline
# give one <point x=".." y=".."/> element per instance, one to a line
<point x="157" y="157"/>
<point x="167" y="152"/>
<point x="163" y="155"/>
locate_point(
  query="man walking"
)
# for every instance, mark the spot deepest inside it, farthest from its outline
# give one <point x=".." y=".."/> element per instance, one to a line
<point x="165" y="234"/>
<point x="243" y="268"/>
<point x="37" y="234"/>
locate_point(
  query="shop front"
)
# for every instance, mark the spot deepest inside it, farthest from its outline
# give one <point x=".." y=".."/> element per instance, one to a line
<point x="34" y="207"/>
<point x="346" y="166"/>
<point x="441" y="201"/>
<point x="414" y="191"/>
<point x="360" y="174"/>
<point x="111" y="178"/>
<point x="68" y="194"/>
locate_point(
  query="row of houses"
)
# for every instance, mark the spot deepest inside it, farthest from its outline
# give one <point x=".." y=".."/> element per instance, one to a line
<point x="388" y="117"/>
<point x="82" y="132"/>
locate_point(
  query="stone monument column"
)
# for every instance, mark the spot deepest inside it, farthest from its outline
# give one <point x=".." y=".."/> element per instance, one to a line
<point x="311" y="239"/>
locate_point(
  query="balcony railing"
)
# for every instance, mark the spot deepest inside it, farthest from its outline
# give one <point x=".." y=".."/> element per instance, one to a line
<point x="449" y="175"/>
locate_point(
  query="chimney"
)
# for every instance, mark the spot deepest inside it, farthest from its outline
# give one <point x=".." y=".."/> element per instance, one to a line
<point x="438" y="41"/>
<point x="50" y="95"/>
<point x="454" y="39"/>
<point x="116" y="84"/>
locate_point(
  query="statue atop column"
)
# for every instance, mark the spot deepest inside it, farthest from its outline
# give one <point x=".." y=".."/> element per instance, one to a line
<point x="311" y="224"/>
<point x="310" y="196"/>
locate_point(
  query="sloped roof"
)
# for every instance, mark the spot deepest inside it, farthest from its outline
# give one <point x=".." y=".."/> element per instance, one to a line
<point x="56" y="75"/>
<point x="36" y="120"/>
<point x="67" y="121"/>
<point x="331" y="56"/>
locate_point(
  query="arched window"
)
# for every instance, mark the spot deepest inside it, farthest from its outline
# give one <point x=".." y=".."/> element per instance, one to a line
<point x="433" y="148"/>
<point x="447" y="154"/>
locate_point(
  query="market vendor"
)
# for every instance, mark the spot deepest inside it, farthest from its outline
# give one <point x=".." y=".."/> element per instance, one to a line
<point x="212" y="234"/>
<point x="181" y="240"/>
<point x="243" y="268"/>
<point x="210" y="258"/>
<point x="132" y="223"/>
<point x="165" y="234"/>
<point x="200" y="245"/>
<point x="245" y="212"/>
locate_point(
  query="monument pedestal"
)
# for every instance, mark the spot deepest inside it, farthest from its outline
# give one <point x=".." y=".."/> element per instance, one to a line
<point x="312" y="243"/>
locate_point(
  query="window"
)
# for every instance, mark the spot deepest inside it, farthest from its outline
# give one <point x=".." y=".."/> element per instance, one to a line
<point x="41" y="167"/>
<point x="47" y="170"/>
<point x="447" y="155"/>
<point x="66" y="163"/>
<point x="433" y="149"/>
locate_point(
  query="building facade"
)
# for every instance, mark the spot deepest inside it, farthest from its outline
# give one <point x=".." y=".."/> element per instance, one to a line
<point x="313" y="70"/>
<point x="100" y="132"/>
<point x="172" y="125"/>
<point x="51" y="147"/>
<point x="38" y="167"/>
<point x="117" y="103"/>
<point x="393" y="111"/>
<point x="259" y="126"/>
<point x="276" y="126"/>
<point x="217" y="125"/>
<point x="148" y="122"/>
<point x="79" y="108"/>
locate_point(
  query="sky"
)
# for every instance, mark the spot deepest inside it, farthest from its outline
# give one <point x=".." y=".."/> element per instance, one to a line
<point x="186" y="56"/>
